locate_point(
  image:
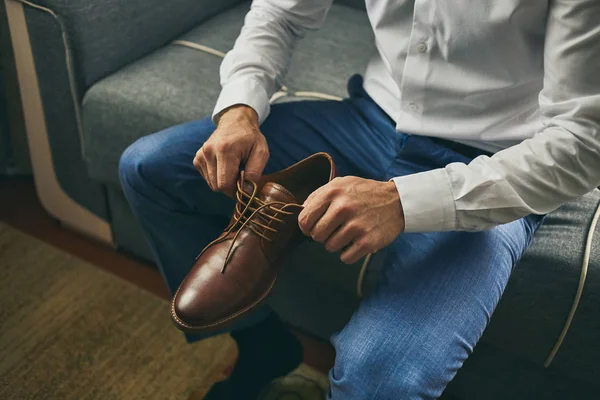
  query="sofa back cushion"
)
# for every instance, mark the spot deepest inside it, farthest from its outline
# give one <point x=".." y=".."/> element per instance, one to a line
<point x="105" y="35"/>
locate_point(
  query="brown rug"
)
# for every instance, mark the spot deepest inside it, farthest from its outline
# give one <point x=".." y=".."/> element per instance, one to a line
<point x="71" y="331"/>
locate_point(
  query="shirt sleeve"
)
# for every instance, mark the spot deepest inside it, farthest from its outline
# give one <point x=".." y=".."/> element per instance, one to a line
<point x="254" y="69"/>
<point x="560" y="163"/>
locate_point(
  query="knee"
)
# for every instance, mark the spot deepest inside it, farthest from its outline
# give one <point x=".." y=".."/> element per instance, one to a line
<point x="381" y="373"/>
<point x="134" y="164"/>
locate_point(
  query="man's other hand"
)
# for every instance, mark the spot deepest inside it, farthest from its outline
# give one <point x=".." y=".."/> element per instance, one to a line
<point x="356" y="215"/>
<point x="236" y="143"/>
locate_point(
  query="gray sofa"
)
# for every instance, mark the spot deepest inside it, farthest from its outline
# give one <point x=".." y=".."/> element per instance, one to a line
<point x="97" y="74"/>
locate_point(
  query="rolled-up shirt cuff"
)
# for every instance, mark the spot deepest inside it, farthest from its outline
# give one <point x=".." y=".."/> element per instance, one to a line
<point x="246" y="91"/>
<point x="427" y="201"/>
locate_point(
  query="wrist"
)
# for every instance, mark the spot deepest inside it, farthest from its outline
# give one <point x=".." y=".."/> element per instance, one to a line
<point x="394" y="196"/>
<point x="239" y="113"/>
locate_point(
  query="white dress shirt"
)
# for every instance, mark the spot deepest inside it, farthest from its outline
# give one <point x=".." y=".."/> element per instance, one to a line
<point x="517" y="77"/>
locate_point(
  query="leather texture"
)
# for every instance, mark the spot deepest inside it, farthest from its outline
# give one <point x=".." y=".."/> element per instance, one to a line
<point x="236" y="272"/>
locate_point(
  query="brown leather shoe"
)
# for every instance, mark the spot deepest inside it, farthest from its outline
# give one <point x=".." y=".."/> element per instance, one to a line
<point x="236" y="272"/>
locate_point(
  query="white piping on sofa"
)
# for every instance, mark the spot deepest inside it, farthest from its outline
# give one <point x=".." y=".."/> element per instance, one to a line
<point x="50" y="193"/>
<point x="279" y="94"/>
<point x="582" y="278"/>
<point x="71" y="76"/>
<point x="200" y="47"/>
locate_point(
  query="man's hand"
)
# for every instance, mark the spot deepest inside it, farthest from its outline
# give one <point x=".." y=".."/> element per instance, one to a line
<point x="358" y="215"/>
<point x="236" y="143"/>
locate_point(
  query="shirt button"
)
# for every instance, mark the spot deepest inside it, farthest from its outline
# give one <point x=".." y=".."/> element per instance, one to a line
<point x="412" y="107"/>
<point x="421" y="47"/>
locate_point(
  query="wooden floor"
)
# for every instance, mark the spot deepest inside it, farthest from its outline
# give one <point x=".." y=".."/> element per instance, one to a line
<point x="20" y="208"/>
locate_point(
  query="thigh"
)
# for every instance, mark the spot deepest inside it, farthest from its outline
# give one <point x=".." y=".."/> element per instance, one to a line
<point x="360" y="138"/>
<point x="435" y="298"/>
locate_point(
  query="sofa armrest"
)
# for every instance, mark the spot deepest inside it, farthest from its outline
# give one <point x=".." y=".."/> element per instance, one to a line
<point x="61" y="48"/>
<point x="105" y="35"/>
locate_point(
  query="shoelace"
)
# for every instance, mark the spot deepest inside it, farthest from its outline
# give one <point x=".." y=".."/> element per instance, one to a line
<point x="249" y="203"/>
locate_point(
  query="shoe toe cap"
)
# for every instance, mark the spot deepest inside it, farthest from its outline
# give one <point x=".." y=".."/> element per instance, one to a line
<point x="196" y="307"/>
<point x="208" y="299"/>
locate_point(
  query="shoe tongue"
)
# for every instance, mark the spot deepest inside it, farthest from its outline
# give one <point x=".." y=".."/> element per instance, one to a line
<point x="272" y="191"/>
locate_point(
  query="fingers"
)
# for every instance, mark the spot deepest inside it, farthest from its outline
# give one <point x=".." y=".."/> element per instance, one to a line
<point x="335" y="215"/>
<point x="315" y="207"/>
<point x="312" y="212"/>
<point x="201" y="165"/>
<point x="355" y="251"/>
<point x="228" y="165"/>
<point x="342" y="237"/>
<point x="211" y="168"/>
<point x="255" y="164"/>
<point x="220" y="166"/>
<point x="208" y="167"/>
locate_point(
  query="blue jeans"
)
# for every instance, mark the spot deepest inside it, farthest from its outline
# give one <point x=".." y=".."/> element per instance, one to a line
<point x="437" y="291"/>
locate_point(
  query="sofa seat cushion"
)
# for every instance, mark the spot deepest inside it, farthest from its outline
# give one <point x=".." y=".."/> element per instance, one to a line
<point x="177" y="83"/>
<point x="532" y="313"/>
